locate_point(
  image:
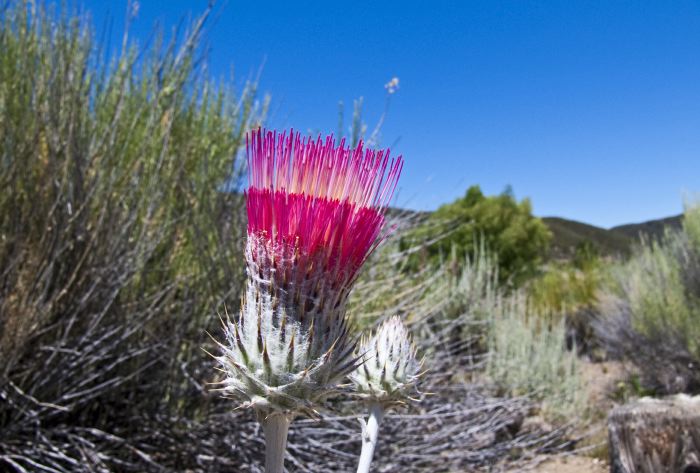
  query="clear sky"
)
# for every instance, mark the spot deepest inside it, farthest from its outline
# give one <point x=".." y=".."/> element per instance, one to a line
<point x="589" y="108"/>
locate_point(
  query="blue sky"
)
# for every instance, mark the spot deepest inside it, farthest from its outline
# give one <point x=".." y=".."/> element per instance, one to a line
<point x="589" y="108"/>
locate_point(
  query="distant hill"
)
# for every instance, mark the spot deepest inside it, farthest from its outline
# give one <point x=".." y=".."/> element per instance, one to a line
<point x="617" y="241"/>
<point x="568" y="234"/>
<point x="650" y="229"/>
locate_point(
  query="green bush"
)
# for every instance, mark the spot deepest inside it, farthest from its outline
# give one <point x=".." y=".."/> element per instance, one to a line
<point x="506" y="227"/>
<point x="529" y="357"/>
<point x="569" y="291"/>
<point x="563" y="288"/>
<point x="651" y="310"/>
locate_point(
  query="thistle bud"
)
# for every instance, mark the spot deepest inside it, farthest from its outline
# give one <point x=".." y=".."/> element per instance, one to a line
<point x="315" y="212"/>
<point x="390" y="369"/>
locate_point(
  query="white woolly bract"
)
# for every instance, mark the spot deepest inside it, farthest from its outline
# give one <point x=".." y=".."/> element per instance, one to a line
<point x="390" y="369"/>
<point x="289" y="347"/>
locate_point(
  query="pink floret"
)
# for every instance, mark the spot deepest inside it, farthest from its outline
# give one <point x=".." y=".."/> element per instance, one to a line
<point x="338" y="231"/>
<point x="325" y="200"/>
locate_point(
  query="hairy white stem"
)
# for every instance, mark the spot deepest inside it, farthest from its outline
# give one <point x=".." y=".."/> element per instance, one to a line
<point x="276" y="428"/>
<point x="370" y="433"/>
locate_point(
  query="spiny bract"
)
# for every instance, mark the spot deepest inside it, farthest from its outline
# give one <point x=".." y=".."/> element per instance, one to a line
<point x="390" y="369"/>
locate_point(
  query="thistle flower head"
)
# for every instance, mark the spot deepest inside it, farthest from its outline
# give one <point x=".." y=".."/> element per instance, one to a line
<point x="315" y="212"/>
<point x="324" y="201"/>
<point x="390" y="369"/>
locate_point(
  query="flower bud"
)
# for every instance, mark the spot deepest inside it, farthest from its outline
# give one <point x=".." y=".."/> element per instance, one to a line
<point x="390" y="369"/>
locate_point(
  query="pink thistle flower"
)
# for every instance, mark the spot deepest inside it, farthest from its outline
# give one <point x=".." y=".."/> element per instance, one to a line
<point x="316" y="210"/>
<point x="324" y="200"/>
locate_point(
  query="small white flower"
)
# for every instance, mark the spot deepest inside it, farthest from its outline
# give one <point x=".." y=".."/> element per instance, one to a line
<point x="392" y="86"/>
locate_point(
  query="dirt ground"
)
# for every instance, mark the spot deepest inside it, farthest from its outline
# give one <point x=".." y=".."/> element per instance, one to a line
<point x="600" y="379"/>
<point x="573" y="464"/>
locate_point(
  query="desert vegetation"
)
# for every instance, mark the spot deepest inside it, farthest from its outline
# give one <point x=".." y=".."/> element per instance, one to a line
<point x="649" y="312"/>
<point x="122" y="238"/>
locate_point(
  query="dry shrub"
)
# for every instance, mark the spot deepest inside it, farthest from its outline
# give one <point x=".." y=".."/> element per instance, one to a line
<point x="116" y="243"/>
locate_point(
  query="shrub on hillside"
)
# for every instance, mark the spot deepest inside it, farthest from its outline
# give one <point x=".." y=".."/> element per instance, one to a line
<point x="569" y="291"/>
<point x="505" y="226"/>
<point x="651" y="314"/>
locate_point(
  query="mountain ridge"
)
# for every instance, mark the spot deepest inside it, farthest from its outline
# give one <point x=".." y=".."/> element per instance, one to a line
<point x="568" y="235"/>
